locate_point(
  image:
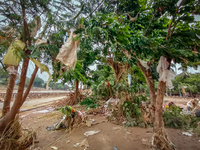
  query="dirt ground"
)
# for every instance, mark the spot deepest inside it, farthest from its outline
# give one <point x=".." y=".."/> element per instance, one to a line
<point x="110" y="135"/>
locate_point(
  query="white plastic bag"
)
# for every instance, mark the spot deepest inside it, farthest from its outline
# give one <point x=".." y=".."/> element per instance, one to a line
<point x="12" y="70"/>
<point x="68" y="52"/>
<point x="143" y="63"/>
<point x="165" y="75"/>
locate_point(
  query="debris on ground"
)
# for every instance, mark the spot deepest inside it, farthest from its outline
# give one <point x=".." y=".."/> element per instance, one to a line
<point x="187" y="133"/>
<point x="76" y="145"/>
<point x="115" y="148"/>
<point x="110" y="103"/>
<point x="88" y="133"/>
<point x="54" y="147"/>
<point x="84" y="143"/>
<point x="1" y="100"/>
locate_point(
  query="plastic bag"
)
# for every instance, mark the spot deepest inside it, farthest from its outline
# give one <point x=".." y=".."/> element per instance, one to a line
<point x="68" y="52"/>
<point x="143" y="63"/>
<point x="165" y="75"/>
<point x="13" y="55"/>
<point x="12" y="70"/>
<point x="39" y="41"/>
<point x="43" y="68"/>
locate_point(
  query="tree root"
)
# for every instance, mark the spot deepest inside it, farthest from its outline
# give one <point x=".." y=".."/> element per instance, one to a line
<point x="160" y="141"/>
<point x="14" y="137"/>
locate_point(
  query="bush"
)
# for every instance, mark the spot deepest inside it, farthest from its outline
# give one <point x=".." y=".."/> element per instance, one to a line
<point x="89" y="102"/>
<point x="174" y="119"/>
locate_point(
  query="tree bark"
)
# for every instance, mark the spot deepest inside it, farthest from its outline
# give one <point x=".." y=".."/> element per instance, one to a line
<point x="10" y="116"/>
<point x="29" y="85"/>
<point x="151" y="86"/>
<point x="161" y="140"/>
<point x="159" y="105"/>
<point x="9" y="93"/>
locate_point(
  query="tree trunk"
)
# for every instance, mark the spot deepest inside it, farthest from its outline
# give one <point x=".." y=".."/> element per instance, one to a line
<point x="29" y="85"/>
<point x="76" y="91"/>
<point x="151" y="86"/>
<point x="160" y="138"/>
<point x="9" y="93"/>
<point x="10" y="116"/>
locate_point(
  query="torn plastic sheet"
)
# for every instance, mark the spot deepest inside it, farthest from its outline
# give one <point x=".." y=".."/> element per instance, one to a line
<point x="39" y="41"/>
<point x="68" y="52"/>
<point x="143" y="63"/>
<point x="13" y="55"/>
<point x="165" y="75"/>
<point x="12" y="70"/>
<point x="43" y="68"/>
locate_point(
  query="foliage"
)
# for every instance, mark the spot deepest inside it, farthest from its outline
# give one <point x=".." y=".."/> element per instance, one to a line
<point x="38" y="82"/>
<point x="131" y="110"/>
<point x="174" y="119"/>
<point x="189" y="80"/>
<point x="89" y="102"/>
<point x="66" y="110"/>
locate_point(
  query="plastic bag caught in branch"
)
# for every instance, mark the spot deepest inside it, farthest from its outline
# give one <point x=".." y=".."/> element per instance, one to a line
<point x="143" y="63"/>
<point x="68" y="52"/>
<point x="165" y="75"/>
<point x="12" y="70"/>
<point x="13" y="55"/>
<point x="43" y="68"/>
<point x="39" y="41"/>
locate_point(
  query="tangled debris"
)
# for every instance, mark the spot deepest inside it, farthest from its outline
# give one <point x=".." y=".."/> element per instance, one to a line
<point x="16" y="137"/>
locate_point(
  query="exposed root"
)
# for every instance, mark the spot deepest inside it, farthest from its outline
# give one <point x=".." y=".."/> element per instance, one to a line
<point x="160" y="141"/>
<point x="16" y="138"/>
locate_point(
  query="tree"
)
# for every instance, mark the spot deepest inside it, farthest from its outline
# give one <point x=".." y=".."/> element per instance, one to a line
<point x="23" y="17"/>
<point x="38" y="82"/>
<point x="151" y="36"/>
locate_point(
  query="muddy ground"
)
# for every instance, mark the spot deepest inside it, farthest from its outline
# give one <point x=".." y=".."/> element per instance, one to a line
<point x="110" y="135"/>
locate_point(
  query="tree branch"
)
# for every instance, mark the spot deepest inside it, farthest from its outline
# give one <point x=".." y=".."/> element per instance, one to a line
<point x="95" y="9"/>
<point x="173" y="20"/>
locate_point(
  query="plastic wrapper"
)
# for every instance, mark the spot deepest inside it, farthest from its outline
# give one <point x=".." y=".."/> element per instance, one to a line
<point x="165" y="75"/>
<point x="13" y="55"/>
<point x="12" y="70"/>
<point x="68" y="52"/>
<point x="43" y="68"/>
<point x="143" y="63"/>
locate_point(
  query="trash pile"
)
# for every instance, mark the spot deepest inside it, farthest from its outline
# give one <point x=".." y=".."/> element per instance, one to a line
<point x="183" y="117"/>
<point x="129" y="112"/>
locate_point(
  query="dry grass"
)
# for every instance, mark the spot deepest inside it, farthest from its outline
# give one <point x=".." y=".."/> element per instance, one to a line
<point x="16" y="138"/>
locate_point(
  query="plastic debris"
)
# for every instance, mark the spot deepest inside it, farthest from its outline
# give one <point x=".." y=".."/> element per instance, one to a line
<point x="53" y="147"/>
<point x="84" y="143"/>
<point x="68" y="141"/>
<point x="68" y="53"/>
<point x="76" y="145"/>
<point x="116" y="128"/>
<point x="43" y="68"/>
<point x="88" y="133"/>
<point x="112" y="102"/>
<point x="39" y="41"/>
<point x="12" y="70"/>
<point x="187" y="133"/>
<point x="143" y="63"/>
<point x="1" y="100"/>
<point x="13" y="55"/>
<point x="115" y="148"/>
<point x="165" y="75"/>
